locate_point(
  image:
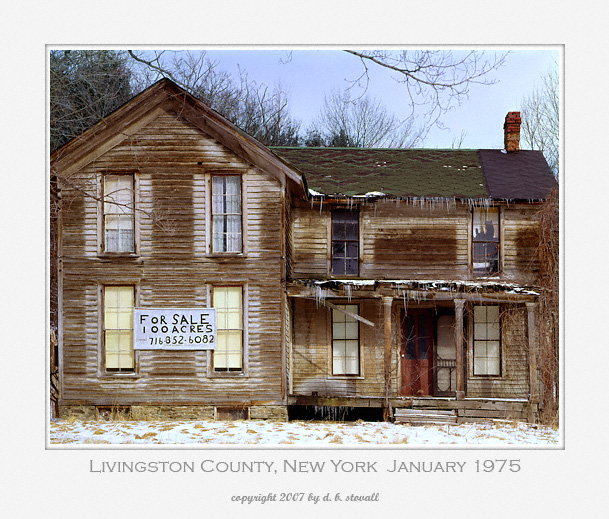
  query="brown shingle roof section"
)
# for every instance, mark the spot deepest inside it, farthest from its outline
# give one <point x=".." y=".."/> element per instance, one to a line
<point x="394" y="172"/>
<point x="520" y="175"/>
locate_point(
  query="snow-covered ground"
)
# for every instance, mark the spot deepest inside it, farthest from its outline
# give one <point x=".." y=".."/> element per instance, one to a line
<point x="297" y="432"/>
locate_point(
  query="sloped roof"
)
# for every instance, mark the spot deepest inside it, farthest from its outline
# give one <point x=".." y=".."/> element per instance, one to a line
<point x="423" y="172"/>
<point x="165" y="95"/>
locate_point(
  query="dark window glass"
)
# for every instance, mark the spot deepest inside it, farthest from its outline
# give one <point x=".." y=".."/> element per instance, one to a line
<point x="422" y="337"/>
<point x="345" y="242"/>
<point x="485" y="239"/>
<point x="410" y="352"/>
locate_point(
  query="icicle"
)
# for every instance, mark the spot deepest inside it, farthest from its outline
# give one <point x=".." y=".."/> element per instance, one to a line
<point x="347" y="289"/>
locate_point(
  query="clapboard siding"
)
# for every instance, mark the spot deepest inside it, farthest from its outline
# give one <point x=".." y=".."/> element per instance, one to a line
<point x="312" y="353"/>
<point x="402" y="240"/>
<point x="172" y="161"/>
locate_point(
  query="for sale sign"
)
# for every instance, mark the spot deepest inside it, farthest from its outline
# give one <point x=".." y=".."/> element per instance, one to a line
<point x="174" y="328"/>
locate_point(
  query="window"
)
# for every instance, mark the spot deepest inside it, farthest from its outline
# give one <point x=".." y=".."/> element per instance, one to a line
<point x="345" y="341"/>
<point x="228" y="355"/>
<point x="118" y="328"/>
<point x="485" y="240"/>
<point x="345" y="242"/>
<point x="226" y="213"/>
<point x="118" y="208"/>
<point x="487" y="341"/>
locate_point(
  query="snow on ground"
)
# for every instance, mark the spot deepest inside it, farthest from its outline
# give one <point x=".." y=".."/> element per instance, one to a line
<point x="297" y="432"/>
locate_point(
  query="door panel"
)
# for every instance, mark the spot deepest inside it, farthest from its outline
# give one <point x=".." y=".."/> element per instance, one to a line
<point x="417" y="353"/>
<point x="446" y="357"/>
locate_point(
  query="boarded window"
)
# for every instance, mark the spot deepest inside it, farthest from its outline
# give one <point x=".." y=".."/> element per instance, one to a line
<point x="487" y="341"/>
<point x="345" y="341"/>
<point x="118" y="328"/>
<point x="485" y="241"/>
<point x="119" y="213"/>
<point x="345" y="242"/>
<point x="228" y="302"/>
<point x="226" y="213"/>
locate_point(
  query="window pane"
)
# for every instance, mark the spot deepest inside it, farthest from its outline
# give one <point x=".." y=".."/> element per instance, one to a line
<point x="352" y="330"/>
<point x="480" y="331"/>
<point x="351" y="231"/>
<point x="112" y="340"/>
<point x="351" y="366"/>
<point x="492" y="349"/>
<point x="493" y="367"/>
<point x="338" y="331"/>
<point x="493" y="331"/>
<point x="492" y="314"/>
<point x="479" y="366"/>
<point x="479" y="314"/>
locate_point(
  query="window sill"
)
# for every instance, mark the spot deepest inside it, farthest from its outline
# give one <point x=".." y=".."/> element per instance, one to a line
<point x="119" y="255"/>
<point x="124" y="375"/>
<point x="346" y="377"/>
<point x="226" y="255"/>
<point x="227" y="374"/>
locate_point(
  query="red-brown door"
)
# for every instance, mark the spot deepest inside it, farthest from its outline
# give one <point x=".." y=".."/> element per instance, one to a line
<point x="417" y="353"/>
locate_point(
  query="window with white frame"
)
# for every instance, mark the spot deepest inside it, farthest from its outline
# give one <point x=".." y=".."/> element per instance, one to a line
<point x="118" y="328"/>
<point x="226" y="214"/>
<point x="485" y="241"/>
<point x="118" y="213"/>
<point x="487" y="340"/>
<point x="228" y="301"/>
<point x="345" y="341"/>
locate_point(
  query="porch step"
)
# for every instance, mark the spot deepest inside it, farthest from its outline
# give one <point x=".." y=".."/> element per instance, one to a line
<point x="424" y="416"/>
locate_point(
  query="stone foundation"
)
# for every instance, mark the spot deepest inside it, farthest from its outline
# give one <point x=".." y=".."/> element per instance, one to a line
<point x="167" y="412"/>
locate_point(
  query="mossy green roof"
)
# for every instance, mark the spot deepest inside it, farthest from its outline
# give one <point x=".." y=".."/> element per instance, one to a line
<point x="393" y="172"/>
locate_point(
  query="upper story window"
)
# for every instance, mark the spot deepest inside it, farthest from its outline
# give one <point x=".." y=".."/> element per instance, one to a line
<point x="485" y="241"/>
<point x="226" y="213"/>
<point x="345" y="242"/>
<point x="118" y="328"/>
<point x="118" y="213"/>
<point x="487" y="340"/>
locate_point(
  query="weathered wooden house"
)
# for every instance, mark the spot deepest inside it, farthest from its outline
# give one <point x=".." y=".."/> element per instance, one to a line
<point x="397" y="280"/>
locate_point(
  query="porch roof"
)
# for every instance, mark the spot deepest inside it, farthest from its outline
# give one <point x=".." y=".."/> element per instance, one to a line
<point x="418" y="290"/>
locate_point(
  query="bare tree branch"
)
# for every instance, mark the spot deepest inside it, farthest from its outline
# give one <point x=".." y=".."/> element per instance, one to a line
<point x="435" y="79"/>
<point x="540" y="112"/>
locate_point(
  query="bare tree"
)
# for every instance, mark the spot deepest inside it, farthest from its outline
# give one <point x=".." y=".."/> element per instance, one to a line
<point x="540" y="112"/>
<point x="258" y="110"/>
<point x="435" y="79"/>
<point x="361" y="122"/>
<point x="85" y="86"/>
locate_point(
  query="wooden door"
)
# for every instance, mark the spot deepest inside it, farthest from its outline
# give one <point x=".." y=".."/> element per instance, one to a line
<point x="417" y="353"/>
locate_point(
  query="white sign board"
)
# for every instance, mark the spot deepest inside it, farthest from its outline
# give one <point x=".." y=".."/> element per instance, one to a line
<point x="174" y="328"/>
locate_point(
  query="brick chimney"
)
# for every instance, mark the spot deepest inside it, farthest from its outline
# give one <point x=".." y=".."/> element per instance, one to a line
<point x="511" y="132"/>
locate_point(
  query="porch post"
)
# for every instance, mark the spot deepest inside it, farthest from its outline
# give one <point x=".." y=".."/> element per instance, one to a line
<point x="387" y="302"/>
<point x="459" y="303"/>
<point x="533" y="381"/>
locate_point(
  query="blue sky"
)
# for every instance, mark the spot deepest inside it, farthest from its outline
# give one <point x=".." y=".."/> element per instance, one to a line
<point x="310" y="74"/>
